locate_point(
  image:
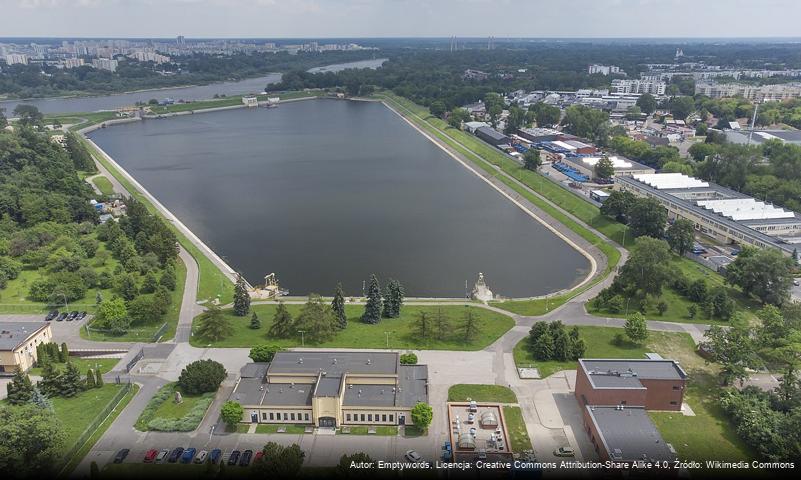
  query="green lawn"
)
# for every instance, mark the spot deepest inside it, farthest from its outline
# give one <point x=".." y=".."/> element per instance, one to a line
<point x="481" y="393"/>
<point x="162" y="409"/>
<point x="273" y="428"/>
<point x="103" y="184"/>
<point x="600" y="344"/>
<point x="77" y="412"/>
<point x="381" y="431"/>
<point x="212" y="283"/>
<point x="516" y="426"/>
<point x="104" y="364"/>
<point x="491" y="325"/>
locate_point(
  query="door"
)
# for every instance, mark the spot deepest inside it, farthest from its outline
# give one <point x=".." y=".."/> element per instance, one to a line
<point x="401" y="420"/>
<point x="327" y="422"/>
<point x="254" y="417"/>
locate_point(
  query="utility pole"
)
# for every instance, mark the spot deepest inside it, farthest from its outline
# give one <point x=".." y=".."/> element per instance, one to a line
<point x="387" y="334"/>
<point x="302" y="339"/>
<point x="753" y="122"/>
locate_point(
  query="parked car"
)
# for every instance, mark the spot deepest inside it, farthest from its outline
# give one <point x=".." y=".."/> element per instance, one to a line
<point x="188" y="455"/>
<point x="121" y="455"/>
<point x="61" y="317"/>
<point x="471" y="417"/>
<point x="175" y="455"/>
<point x="215" y="455"/>
<point x="81" y="316"/>
<point x="72" y="315"/>
<point x="258" y="456"/>
<point x="201" y="456"/>
<point x="50" y="316"/>
<point x="796" y="282"/>
<point x="413" y="456"/>
<point x="150" y="456"/>
<point x="233" y="458"/>
<point x="564" y="452"/>
<point x="244" y="461"/>
<point x="162" y="455"/>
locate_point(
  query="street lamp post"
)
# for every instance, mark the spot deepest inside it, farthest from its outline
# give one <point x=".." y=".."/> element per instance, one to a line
<point x="387" y="334"/>
<point x="302" y="339"/>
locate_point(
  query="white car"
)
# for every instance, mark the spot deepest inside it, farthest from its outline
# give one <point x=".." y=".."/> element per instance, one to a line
<point x="413" y="456"/>
<point x="162" y="455"/>
<point x="201" y="456"/>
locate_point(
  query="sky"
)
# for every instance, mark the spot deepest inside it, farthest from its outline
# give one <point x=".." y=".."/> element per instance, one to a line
<point x="400" y="18"/>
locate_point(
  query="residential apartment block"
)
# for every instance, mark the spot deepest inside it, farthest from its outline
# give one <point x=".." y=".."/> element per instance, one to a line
<point x="330" y="389"/>
<point x="758" y="93"/>
<point x="636" y="86"/>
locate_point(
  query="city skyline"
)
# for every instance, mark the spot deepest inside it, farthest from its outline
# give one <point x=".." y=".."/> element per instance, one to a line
<point x="398" y="18"/>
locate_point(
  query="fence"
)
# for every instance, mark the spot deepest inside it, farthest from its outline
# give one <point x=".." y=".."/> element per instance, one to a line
<point x="132" y="334"/>
<point x="92" y="428"/>
<point x="160" y="332"/>
<point x="133" y="361"/>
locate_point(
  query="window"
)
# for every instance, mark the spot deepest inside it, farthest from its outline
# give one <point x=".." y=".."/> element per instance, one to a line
<point x="674" y="403"/>
<point x="306" y="416"/>
<point x="623" y="402"/>
<point x="271" y="416"/>
<point x="263" y="416"/>
<point x="369" y="417"/>
<point x="347" y="417"/>
<point x="362" y="417"/>
<point x="676" y="387"/>
<point x="292" y="416"/>
<point x="286" y="417"/>
<point x="391" y="419"/>
<point x="384" y="417"/>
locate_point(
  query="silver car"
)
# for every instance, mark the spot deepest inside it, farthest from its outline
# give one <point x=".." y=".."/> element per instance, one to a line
<point x="201" y="456"/>
<point x="162" y="456"/>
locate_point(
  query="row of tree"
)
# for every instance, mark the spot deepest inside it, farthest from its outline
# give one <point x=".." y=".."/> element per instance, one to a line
<point x="552" y="341"/>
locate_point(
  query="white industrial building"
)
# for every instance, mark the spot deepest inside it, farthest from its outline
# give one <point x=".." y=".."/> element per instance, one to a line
<point x="718" y="212"/>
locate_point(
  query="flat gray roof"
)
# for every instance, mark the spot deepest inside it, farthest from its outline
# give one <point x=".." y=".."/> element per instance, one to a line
<point x="628" y="373"/>
<point x="249" y="391"/>
<point x="284" y="394"/>
<point x="254" y="370"/>
<point x="412" y="388"/>
<point x="328" y="387"/>
<point x="334" y="363"/>
<point x="629" y="434"/>
<point x="14" y="334"/>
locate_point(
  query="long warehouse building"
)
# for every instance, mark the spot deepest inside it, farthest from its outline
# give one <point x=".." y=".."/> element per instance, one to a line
<point x="719" y="212"/>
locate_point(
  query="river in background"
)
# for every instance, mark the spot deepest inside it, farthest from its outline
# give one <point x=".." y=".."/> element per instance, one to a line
<point x="194" y="93"/>
<point x="327" y="191"/>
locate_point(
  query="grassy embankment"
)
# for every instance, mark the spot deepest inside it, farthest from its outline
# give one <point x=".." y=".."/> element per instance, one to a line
<point x="495" y="161"/>
<point x="83" y="364"/>
<point x="103" y="184"/>
<point x="491" y="326"/>
<point x="464" y="392"/>
<point x="228" y="102"/>
<point x="162" y="413"/>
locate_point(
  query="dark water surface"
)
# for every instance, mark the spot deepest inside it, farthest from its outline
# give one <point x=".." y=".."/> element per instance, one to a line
<point x="328" y="191"/>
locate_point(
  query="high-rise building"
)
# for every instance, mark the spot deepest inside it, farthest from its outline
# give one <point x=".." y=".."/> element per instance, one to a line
<point x="180" y="41"/>
<point x="16" y="58"/>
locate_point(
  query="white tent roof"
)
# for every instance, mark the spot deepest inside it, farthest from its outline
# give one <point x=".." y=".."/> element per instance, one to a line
<point x="745" y="209"/>
<point x="662" y="181"/>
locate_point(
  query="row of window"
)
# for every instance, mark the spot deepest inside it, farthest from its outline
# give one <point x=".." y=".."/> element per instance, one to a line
<point x="287" y="416"/>
<point x="369" y="417"/>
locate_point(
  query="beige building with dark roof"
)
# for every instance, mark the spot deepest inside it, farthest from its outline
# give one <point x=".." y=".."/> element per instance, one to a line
<point x="330" y="389"/>
<point x="18" y="342"/>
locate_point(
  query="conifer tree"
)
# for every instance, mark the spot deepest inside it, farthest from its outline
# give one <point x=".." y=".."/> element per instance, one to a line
<point x="442" y="325"/>
<point x="372" y="310"/>
<point x="20" y="389"/>
<point x="64" y="354"/>
<point x="338" y="306"/>
<point x="71" y="381"/>
<point x="255" y="323"/>
<point x="316" y="320"/>
<point x="90" y="379"/>
<point x="50" y="384"/>
<point x="241" y="297"/>
<point x="98" y="378"/>
<point x="282" y="323"/>
<point x="543" y="346"/>
<point x="393" y="299"/>
<point x="469" y="326"/>
<point x="40" y="400"/>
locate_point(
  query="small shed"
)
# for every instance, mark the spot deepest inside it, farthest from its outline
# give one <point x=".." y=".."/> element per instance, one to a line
<point x="487" y="418"/>
<point x="466" y="442"/>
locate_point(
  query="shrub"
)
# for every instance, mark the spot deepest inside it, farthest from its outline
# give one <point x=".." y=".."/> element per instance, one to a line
<point x="202" y="376"/>
<point x="408" y="359"/>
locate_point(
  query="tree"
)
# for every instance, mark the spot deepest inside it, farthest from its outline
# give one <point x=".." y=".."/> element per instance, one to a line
<point x="168" y="279"/>
<point x="283" y="324"/>
<point x="680" y="235"/>
<point x="647" y="103"/>
<point x="393" y="299"/>
<point x="372" y="310"/>
<point x="765" y="273"/>
<point x="442" y="324"/>
<point x="577" y="345"/>
<point x="721" y="305"/>
<point x="213" y="324"/>
<point x="51" y="380"/>
<point x="201" y="376"/>
<point x="126" y="286"/>
<point x="692" y="311"/>
<point x="437" y="108"/>
<point x="64" y="353"/>
<point x="662" y="307"/>
<point x="255" y="323"/>
<point x="647" y="269"/>
<point x="515" y="120"/>
<point x="356" y="466"/>
<point x="408" y="359"/>
<point x="30" y="439"/>
<point x="457" y="116"/>
<point x="547" y="115"/>
<point x="586" y="122"/>
<point x="241" y="297"/>
<point x="733" y="349"/>
<point x="98" y="378"/>
<point x="636" y="328"/>
<point x="422" y="326"/>
<point x="3" y="119"/>
<point x="28" y="115"/>
<point x="543" y="348"/>
<point x="604" y="168"/>
<point x="681" y="107"/>
<point x="20" y="389"/>
<point x="40" y="400"/>
<point x="316" y="320"/>
<point x="561" y="342"/>
<point x="279" y="461"/>
<point x="532" y="160"/>
<point x="618" y="204"/>
<point x="263" y="353"/>
<point x="90" y="379"/>
<point x="647" y="217"/>
<point x="338" y="307"/>
<point x="422" y="414"/>
<point x="231" y="413"/>
<point x="469" y="326"/>
<point x="71" y="381"/>
<point x="149" y="284"/>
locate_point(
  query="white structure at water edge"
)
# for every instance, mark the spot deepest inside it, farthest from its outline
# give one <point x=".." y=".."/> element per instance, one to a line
<point x="481" y="291"/>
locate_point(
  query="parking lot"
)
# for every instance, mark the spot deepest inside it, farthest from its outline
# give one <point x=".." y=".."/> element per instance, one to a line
<point x="63" y="331"/>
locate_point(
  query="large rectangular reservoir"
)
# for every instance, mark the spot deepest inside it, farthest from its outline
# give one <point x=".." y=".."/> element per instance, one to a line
<point x="327" y="191"/>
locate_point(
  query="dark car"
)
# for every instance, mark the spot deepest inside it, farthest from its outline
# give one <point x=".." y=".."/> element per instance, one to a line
<point x="215" y="455"/>
<point x="81" y="316"/>
<point x="246" y="456"/>
<point x="62" y="317"/>
<point x="233" y="458"/>
<point x="50" y="316"/>
<point x="188" y="455"/>
<point x="175" y="455"/>
<point x="121" y="455"/>
<point x="73" y="314"/>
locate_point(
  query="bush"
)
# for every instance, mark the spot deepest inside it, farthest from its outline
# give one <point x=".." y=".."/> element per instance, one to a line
<point x="263" y="353"/>
<point x="202" y="376"/>
<point x="408" y="359"/>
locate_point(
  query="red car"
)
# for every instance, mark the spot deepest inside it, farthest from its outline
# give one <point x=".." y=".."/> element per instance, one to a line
<point x="258" y="456"/>
<point x="150" y="456"/>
